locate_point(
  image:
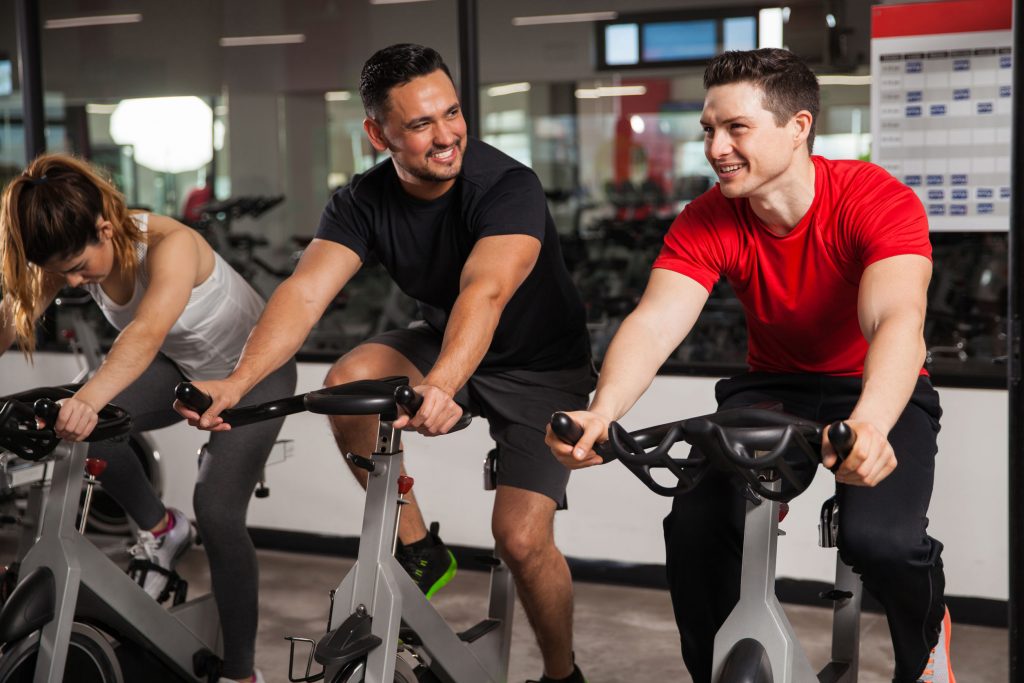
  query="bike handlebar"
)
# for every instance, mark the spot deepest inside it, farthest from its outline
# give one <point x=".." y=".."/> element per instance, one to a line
<point x="20" y="432"/>
<point x="363" y="397"/>
<point x="750" y="443"/>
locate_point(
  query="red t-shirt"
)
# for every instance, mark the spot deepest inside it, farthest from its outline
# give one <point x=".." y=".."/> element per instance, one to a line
<point x="799" y="290"/>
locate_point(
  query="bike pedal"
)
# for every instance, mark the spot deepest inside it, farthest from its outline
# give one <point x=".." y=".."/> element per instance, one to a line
<point x="488" y="560"/>
<point x="409" y="637"/>
<point x="835" y="595"/>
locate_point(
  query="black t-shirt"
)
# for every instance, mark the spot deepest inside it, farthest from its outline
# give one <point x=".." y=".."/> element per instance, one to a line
<point x="424" y="245"/>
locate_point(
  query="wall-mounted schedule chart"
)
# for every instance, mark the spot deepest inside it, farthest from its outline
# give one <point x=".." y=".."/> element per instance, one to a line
<point x="941" y="96"/>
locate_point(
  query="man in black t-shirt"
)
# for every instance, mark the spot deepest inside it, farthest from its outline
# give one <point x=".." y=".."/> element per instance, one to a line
<point x="464" y="230"/>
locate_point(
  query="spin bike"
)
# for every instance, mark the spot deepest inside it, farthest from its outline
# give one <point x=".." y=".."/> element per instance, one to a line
<point x="74" y="615"/>
<point x="381" y="628"/>
<point x="773" y="457"/>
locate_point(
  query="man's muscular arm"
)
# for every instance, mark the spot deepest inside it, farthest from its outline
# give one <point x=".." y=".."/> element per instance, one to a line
<point x="891" y="307"/>
<point x="666" y="313"/>
<point x="493" y="272"/>
<point x="294" y="308"/>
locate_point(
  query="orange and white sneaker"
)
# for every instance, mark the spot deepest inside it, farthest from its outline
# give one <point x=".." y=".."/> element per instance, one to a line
<point x="939" y="668"/>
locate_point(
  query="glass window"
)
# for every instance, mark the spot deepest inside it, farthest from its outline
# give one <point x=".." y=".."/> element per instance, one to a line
<point x="671" y="41"/>
<point x="739" y="33"/>
<point x="621" y="44"/>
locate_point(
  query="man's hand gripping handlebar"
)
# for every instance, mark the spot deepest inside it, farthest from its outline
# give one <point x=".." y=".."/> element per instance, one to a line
<point x="755" y="444"/>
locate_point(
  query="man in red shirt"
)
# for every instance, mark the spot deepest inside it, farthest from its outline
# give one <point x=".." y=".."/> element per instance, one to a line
<point x="831" y="261"/>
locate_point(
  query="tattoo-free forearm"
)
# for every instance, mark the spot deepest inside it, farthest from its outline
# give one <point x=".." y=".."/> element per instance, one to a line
<point x="278" y="335"/>
<point x="467" y="336"/>
<point x="893" y="364"/>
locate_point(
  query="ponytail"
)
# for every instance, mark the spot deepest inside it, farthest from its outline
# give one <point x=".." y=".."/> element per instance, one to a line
<point x="50" y="211"/>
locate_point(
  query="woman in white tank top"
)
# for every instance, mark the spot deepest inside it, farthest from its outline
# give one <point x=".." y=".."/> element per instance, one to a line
<point x="183" y="313"/>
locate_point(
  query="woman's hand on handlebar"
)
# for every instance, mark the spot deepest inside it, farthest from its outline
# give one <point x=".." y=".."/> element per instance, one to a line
<point x="437" y="415"/>
<point x="871" y="460"/>
<point x="76" y="421"/>
<point x="223" y="393"/>
<point x="595" y="430"/>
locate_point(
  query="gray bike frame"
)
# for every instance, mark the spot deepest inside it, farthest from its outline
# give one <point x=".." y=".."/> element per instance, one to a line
<point x="173" y="635"/>
<point x="759" y="615"/>
<point x="379" y="585"/>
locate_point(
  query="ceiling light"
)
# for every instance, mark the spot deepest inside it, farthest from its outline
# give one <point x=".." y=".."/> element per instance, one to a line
<point x="565" y="18"/>
<point x="844" y="80"/>
<point x="102" y="20"/>
<point x="338" y="96"/>
<point x="610" y="91"/>
<point x="248" y="41"/>
<point x="508" y="89"/>
<point x="167" y="134"/>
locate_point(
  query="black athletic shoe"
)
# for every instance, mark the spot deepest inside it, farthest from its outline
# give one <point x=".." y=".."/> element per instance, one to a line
<point x="575" y="677"/>
<point x="429" y="562"/>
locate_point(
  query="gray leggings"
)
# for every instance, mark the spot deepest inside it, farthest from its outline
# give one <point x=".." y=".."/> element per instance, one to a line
<point x="225" y="483"/>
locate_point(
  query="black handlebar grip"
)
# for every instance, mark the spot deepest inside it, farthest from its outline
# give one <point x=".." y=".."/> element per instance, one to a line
<point x="842" y="437"/>
<point x="192" y="398"/>
<point x="408" y="399"/>
<point x="566" y="429"/>
<point x="47" y="410"/>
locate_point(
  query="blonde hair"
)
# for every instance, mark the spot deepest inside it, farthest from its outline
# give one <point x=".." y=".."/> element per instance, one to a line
<point x="50" y="211"/>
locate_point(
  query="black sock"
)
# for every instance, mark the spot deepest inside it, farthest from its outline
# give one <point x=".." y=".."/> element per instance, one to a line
<point x="575" y="677"/>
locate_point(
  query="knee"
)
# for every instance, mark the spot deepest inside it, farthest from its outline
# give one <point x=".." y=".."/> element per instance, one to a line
<point x="520" y="547"/>
<point x="870" y="547"/>
<point x="213" y="515"/>
<point x="345" y="370"/>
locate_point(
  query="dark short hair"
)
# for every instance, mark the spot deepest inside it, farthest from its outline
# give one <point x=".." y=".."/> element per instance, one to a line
<point x="789" y="86"/>
<point x="393" y="66"/>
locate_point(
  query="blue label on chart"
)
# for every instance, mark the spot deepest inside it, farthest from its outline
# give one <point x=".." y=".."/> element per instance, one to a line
<point x="936" y="195"/>
<point x="958" y="194"/>
<point x="961" y="64"/>
<point x="985" y="208"/>
<point x="914" y="96"/>
<point x="958" y="179"/>
<point x="913" y="67"/>
<point x="984" y="107"/>
<point x="936" y="180"/>
<point x="1005" y="91"/>
<point x="1005" y="62"/>
<point x="912" y="180"/>
<point x="1004" y="193"/>
<point x="985" y="193"/>
<point x="957" y="209"/>
<point x="962" y="94"/>
<point x="937" y="110"/>
<point x="936" y="209"/>
<point x="913" y="111"/>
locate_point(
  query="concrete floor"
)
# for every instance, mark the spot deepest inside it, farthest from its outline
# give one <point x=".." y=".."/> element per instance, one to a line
<point x="623" y="635"/>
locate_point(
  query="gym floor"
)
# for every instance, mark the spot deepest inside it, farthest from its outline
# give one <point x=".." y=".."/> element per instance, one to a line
<point x="623" y="635"/>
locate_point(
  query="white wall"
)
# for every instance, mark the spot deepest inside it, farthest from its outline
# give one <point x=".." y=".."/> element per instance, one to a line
<point x="611" y="516"/>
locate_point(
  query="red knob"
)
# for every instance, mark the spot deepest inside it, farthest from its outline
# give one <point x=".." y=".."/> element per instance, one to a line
<point x="783" y="511"/>
<point x="404" y="484"/>
<point x="95" y="466"/>
<point x="69" y="335"/>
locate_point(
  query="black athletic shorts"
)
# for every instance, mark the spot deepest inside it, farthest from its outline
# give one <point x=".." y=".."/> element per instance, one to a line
<point x="517" y="405"/>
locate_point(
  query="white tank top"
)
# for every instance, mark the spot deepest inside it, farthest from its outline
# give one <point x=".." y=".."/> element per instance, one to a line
<point x="207" y="339"/>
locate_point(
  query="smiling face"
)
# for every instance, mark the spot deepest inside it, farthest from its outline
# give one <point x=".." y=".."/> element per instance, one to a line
<point x="90" y="266"/>
<point x="751" y="154"/>
<point x="423" y="129"/>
